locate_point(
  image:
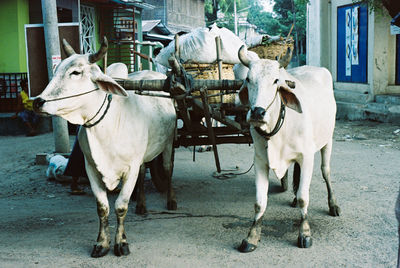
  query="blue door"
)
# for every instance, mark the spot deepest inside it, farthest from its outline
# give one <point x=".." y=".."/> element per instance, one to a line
<point x="398" y="59"/>
<point x="354" y="71"/>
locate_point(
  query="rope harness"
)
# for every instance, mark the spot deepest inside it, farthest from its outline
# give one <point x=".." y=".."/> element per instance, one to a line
<point x="108" y="97"/>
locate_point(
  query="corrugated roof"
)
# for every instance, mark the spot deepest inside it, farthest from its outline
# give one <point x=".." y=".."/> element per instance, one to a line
<point x="148" y="25"/>
<point x="135" y="3"/>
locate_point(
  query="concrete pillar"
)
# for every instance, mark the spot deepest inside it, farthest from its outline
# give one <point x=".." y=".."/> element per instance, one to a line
<point x="50" y="23"/>
<point x="313" y="36"/>
<point x="318" y="33"/>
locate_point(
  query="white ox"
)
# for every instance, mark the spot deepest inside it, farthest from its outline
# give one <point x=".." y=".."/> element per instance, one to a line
<point x="119" y="70"/>
<point x="117" y="136"/>
<point x="284" y="136"/>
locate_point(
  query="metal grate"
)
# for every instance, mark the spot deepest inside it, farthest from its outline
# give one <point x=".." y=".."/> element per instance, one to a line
<point x="10" y="85"/>
<point x="118" y="24"/>
<point x="88" y="28"/>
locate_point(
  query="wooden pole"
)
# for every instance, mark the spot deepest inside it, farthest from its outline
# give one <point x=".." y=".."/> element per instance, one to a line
<point x="219" y="60"/>
<point x="211" y="134"/>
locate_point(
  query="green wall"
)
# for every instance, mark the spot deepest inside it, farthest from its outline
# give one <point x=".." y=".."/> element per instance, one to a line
<point x="14" y="14"/>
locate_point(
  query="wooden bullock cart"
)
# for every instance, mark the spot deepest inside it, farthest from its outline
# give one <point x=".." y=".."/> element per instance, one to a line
<point x="192" y="105"/>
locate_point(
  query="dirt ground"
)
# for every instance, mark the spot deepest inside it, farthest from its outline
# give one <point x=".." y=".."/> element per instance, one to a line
<point x="42" y="225"/>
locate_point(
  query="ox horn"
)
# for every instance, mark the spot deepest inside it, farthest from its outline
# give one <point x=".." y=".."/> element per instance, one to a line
<point x="242" y="53"/>
<point x="285" y="60"/>
<point x="67" y="48"/>
<point x="99" y="54"/>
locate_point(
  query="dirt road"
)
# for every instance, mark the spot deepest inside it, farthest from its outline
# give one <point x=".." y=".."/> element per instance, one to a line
<point x="41" y="225"/>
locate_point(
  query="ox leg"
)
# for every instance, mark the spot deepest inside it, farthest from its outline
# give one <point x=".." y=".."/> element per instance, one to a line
<point x="334" y="209"/>
<point x="168" y="164"/>
<point x="102" y="246"/>
<point x="296" y="181"/>
<point x="141" y="198"/>
<point x="250" y="243"/>
<point x="303" y="195"/>
<point x="121" y="246"/>
<point x="285" y="182"/>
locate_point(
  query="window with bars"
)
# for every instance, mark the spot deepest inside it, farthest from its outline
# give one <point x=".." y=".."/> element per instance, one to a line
<point x="88" y="29"/>
<point x="10" y="85"/>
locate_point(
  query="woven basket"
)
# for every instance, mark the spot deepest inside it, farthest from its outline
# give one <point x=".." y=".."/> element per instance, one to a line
<point x="210" y="71"/>
<point x="272" y="50"/>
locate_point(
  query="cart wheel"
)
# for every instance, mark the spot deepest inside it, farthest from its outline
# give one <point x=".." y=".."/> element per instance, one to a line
<point x="158" y="174"/>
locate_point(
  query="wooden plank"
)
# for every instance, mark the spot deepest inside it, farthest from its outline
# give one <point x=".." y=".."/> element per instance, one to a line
<point x="219" y="117"/>
<point x="196" y="141"/>
<point x="217" y="130"/>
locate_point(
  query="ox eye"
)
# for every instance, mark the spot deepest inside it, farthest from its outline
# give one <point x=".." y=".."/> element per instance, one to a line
<point x="247" y="80"/>
<point x="276" y="81"/>
<point x="75" y="73"/>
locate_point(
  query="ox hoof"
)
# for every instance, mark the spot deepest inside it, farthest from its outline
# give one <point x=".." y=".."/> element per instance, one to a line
<point x="246" y="247"/>
<point x="334" y="211"/>
<point x="294" y="203"/>
<point x="141" y="210"/>
<point x="99" y="251"/>
<point x="171" y="205"/>
<point x="121" y="249"/>
<point x="304" y="241"/>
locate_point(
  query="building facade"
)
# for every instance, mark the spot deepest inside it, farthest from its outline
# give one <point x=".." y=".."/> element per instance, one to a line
<point x="118" y="20"/>
<point x="177" y="15"/>
<point x="357" y="46"/>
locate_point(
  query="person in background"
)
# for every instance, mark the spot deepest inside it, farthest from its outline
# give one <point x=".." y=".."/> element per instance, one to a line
<point x="25" y="111"/>
<point x="76" y="167"/>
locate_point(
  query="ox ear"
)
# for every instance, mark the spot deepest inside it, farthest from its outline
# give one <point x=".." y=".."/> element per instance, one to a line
<point x="109" y="85"/>
<point x="244" y="94"/>
<point x="288" y="97"/>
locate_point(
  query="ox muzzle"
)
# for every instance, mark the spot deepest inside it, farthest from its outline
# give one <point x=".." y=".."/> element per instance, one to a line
<point x="257" y="114"/>
<point x="38" y="104"/>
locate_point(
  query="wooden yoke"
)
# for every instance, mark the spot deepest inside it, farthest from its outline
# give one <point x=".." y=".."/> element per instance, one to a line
<point x="158" y="85"/>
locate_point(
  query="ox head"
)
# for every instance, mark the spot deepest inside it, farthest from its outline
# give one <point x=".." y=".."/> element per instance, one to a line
<point x="265" y="84"/>
<point x="67" y="92"/>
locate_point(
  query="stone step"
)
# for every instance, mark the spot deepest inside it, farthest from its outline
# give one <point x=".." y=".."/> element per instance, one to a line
<point x="388" y="99"/>
<point x="383" y="112"/>
<point x="351" y="96"/>
<point x="369" y="111"/>
<point x="350" y="111"/>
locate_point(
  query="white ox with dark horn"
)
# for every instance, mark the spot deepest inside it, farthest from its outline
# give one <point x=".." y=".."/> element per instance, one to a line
<point x="292" y="116"/>
<point x="120" y="132"/>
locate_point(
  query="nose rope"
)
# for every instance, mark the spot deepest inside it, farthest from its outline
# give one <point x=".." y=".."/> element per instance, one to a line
<point x="73" y="96"/>
<point x="108" y="97"/>
<point x="278" y="124"/>
<point x="276" y="94"/>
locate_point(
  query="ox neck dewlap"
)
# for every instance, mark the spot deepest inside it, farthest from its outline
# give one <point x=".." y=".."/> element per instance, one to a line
<point x="278" y="125"/>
